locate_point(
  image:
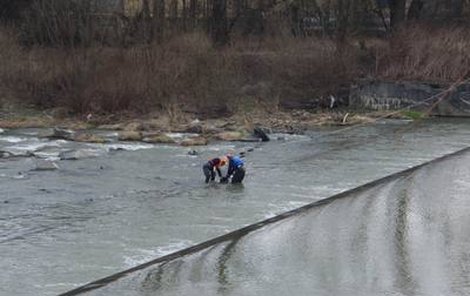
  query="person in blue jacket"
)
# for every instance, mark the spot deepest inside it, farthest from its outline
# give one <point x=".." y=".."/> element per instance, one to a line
<point x="236" y="169"/>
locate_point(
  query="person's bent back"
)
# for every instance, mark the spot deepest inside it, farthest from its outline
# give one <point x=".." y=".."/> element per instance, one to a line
<point x="236" y="169"/>
<point x="212" y="166"/>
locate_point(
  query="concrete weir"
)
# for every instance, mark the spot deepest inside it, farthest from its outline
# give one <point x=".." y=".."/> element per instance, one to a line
<point x="404" y="234"/>
<point x="384" y="95"/>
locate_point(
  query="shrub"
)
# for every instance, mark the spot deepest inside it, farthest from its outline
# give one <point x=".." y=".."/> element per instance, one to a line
<point x="426" y="53"/>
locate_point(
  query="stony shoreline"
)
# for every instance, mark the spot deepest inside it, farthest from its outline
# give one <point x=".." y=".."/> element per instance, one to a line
<point x="155" y="128"/>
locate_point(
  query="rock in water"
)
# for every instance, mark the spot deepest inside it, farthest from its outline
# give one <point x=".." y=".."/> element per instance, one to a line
<point x="260" y="133"/>
<point x="193" y="152"/>
<point x="61" y="134"/>
<point x="250" y="139"/>
<point x="194" y="141"/>
<point x="88" y="138"/>
<point x="230" y="136"/>
<point x="46" y="165"/>
<point x="5" y="154"/>
<point x="2" y="131"/>
<point x="78" y="154"/>
<point x="159" y="138"/>
<point x="130" y="136"/>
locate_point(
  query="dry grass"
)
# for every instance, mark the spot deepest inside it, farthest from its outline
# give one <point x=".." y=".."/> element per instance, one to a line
<point x="184" y="74"/>
<point x="425" y="53"/>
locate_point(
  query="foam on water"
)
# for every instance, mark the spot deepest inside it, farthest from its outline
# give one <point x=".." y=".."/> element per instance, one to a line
<point x="143" y="255"/>
<point x="34" y="144"/>
<point x="288" y="137"/>
<point x="122" y="146"/>
<point x="218" y="148"/>
<point x="13" y="139"/>
<point x="179" y="136"/>
<point x="48" y="155"/>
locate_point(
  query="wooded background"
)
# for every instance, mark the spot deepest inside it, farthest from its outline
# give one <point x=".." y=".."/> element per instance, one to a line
<point x="129" y="21"/>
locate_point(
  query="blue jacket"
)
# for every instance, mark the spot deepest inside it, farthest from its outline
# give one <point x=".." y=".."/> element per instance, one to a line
<point x="234" y="163"/>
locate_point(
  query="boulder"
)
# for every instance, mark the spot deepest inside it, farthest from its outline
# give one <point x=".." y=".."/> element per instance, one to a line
<point x="1" y="131"/>
<point x="200" y="127"/>
<point x="231" y="136"/>
<point x="194" y="141"/>
<point x="88" y="138"/>
<point x="193" y="152"/>
<point x="60" y="113"/>
<point x="113" y="127"/>
<point x="212" y="130"/>
<point x="5" y="154"/>
<point x="195" y="127"/>
<point x="134" y="126"/>
<point x="60" y="134"/>
<point x="78" y="154"/>
<point x="250" y="139"/>
<point x="261" y="133"/>
<point x="159" y="138"/>
<point x="130" y="136"/>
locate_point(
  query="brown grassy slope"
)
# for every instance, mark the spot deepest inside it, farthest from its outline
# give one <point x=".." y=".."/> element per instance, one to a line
<point x="187" y="73"/>
<point x="425" y="53"/>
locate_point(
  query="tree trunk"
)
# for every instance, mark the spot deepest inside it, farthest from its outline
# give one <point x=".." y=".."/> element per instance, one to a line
<point x="342" y="20"/>
<point x="219" y="30"/>
<point x="159" y="18"/>
<point x="192" y="12"/>
<point x="415" y="9"/>
<point x="397" y="13"/>
<point x="457" y="7"/>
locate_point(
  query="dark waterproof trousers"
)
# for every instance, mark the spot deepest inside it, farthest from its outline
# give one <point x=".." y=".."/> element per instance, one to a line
<point x="208" y="172"/>
<point x="238" y="175"/>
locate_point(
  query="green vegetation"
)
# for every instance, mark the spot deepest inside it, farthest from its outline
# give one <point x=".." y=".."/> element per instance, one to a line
<point x="415" y="115"/>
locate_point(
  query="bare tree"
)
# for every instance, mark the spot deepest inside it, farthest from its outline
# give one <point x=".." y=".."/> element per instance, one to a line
<point x="219" y="27"/>
<point x="397" y="13"/>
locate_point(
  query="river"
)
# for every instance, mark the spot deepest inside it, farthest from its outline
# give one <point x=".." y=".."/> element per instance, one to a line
<point x="125" y="203"/>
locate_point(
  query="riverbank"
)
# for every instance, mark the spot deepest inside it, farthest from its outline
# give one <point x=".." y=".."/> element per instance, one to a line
<point x="185" y="84"/>
<point x="188" y="75"/>
<point x="154" y="127"/>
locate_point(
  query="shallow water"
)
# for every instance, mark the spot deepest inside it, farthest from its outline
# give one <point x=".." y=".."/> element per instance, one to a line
<point x="115" y="209"/>
<point x="407" y="235"/>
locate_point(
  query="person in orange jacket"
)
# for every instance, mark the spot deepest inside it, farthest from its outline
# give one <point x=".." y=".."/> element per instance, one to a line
<point x="213" y="166"/>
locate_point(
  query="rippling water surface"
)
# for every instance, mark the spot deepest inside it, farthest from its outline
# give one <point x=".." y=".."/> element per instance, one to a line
<point x="122" y="204"/>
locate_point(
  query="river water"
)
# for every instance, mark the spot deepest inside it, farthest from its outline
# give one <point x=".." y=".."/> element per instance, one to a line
<point x="122" y="204"/>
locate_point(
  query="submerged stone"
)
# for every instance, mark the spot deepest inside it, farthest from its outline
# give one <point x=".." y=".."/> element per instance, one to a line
<point x="78" y="154"/>
<point x="46" y="165"/>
